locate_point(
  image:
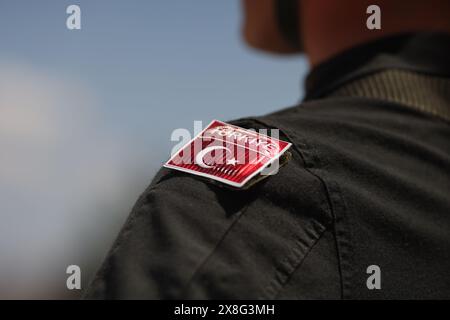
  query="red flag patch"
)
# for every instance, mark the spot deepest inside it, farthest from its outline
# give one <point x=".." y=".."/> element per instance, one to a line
<point x="227" y="153"/>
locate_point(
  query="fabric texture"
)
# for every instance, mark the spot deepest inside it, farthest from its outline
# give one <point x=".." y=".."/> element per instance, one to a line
<point x="368" y="184"/>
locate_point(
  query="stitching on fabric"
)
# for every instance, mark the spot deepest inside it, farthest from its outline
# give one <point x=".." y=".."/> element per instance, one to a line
<point x="302" y="260"/>
<point x="297" y="256"/>
<point x="343" y="248"/>
<point x="209" y="256"/>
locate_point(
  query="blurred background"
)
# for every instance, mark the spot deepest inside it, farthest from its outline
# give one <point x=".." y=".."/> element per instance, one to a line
<point x="86" y="118"/>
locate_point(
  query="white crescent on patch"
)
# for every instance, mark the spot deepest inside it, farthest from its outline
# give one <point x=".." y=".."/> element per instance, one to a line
<point x="201" y="154"/>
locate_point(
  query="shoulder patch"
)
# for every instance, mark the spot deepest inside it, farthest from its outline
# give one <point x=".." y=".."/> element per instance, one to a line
<point x="231" y="155"/>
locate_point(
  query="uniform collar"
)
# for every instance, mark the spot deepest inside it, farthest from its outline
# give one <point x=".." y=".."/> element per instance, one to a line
<point x="423" y="52"/>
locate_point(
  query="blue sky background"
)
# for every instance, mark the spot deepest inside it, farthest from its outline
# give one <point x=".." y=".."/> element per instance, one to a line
<point x="87" y="117"/>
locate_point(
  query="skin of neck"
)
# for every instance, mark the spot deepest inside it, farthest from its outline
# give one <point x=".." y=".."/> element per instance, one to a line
<point x="330" y="27"/>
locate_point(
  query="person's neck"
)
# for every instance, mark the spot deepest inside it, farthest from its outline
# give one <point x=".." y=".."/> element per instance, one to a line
<point x="331" y="27"/>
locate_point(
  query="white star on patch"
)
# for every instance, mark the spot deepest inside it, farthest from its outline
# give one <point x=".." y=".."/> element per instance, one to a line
<point x="232" y="161"/>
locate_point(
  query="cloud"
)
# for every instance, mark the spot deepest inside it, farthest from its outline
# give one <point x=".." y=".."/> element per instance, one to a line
<point x="62" y="174"/>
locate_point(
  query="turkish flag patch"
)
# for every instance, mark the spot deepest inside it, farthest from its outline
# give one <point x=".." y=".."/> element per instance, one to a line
<point x="229" y="154"/>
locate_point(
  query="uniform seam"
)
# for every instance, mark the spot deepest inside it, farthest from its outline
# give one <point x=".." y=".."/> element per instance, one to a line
<point x="342" y="248"/>
<point x="275" y="286"/>
<point x="327" y="228"/>
<point x="211" y="253"/>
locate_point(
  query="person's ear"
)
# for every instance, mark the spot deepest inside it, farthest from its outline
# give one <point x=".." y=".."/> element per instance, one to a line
<point x="270" y="25"/>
